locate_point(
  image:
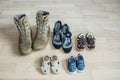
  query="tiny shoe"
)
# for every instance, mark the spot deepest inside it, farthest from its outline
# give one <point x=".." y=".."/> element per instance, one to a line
<point x="45" y="66"/>
<point x="81" y="41"/>
<point x="90" y="40"/>
<point x="72" y="65"/>
<point x="57" y="36"/>
<point x="80" y="63"/>
<point x="55" y="64"/>
<point x="66" y="41"/>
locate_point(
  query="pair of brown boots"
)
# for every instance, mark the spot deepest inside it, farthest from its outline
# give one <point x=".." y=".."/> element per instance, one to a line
<point x="25" y="32"/>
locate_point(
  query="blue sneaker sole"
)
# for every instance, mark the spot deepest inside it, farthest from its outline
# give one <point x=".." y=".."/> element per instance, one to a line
<point x="80" y="71"/>
<point x="72" y="72"/>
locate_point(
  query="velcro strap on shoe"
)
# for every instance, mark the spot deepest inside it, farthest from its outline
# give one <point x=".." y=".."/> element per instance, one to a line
<point x="68" y="34"/>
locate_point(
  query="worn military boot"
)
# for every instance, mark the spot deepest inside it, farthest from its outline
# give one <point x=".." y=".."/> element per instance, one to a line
<point x="43" y="30"/>
<point x="24" y="29"/>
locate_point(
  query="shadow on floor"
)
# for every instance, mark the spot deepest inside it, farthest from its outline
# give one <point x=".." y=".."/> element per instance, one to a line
<point x="38" y="64"/>
<point x="9" y="35"/>
<point x="50" y="40"/>
<point x="63" y="65"/>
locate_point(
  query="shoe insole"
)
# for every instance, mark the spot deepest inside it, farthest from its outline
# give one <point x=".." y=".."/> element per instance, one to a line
<point x="57" y="27"/>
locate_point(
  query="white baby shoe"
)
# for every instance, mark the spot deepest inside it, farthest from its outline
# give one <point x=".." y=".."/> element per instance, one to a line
<point x="55" y="64"/>
<point x="45" y="66"/>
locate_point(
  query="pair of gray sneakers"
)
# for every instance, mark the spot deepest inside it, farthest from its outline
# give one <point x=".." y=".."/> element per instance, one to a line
<point x="25" y="32"/>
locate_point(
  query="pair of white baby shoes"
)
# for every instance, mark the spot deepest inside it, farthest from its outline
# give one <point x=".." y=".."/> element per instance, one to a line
<point x="50" y="64"/>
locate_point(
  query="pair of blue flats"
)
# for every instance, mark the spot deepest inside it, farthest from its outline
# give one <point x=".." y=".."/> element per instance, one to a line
<point x="76" y="64"/>
<point x="62" y="37"/>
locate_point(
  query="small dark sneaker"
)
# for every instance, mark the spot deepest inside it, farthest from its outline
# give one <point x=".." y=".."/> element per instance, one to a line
<point x="81" y="42"/>
<point x="90" y="40"/>
<point x="66" y="41"/>
<point x="57" y="36"/>
<point x="72" y="65"/>
<point x="80" y="63"/>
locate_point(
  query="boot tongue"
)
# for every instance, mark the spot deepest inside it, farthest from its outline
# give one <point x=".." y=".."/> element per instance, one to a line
<point x="19" y="17"/>
<point x="72" y="60"/>
<point x="80" y="59"/>
<point x="42" y="16"/>
<point x="42" y="13"/>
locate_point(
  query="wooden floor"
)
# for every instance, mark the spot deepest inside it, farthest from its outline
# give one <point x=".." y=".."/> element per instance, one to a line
<point x="101" y="17"/>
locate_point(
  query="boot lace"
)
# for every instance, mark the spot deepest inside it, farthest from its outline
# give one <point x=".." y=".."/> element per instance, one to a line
<point x="42" y="25"/>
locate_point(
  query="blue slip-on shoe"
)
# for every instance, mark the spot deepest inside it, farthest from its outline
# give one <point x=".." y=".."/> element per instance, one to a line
<point x="66" y="39"/>
<point x="80" y="63"/>
<point x="57" y="36"/>
<point x="72" y="65"/>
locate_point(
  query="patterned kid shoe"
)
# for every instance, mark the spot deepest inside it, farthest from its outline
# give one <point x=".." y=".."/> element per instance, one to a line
<point x="45" y="65"/>
<point x="80" y="63"/>
<point x="57" y="36"/>
<point x="72" y="65"/>
<point x="81" y="42"/>
<point x="43" y="30"/>
<point x="55" y="64"/>
<point x="25" y="42"/>
<point x="66" y="41"/>
<point x="90" y="41"/>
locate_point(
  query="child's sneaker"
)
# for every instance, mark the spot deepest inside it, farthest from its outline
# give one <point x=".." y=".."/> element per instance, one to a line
<point x="55" y="64"/>
<point x="81" y="42"/>
<point x="45" y="66"/>
<point x="90" y="40"/>
<point x="72" y="65"/>
<point x="80" y="63"/>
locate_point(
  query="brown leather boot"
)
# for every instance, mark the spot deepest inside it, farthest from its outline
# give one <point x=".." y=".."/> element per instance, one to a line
<point x="43" y="30"/>
<point x="24" y="29"/>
